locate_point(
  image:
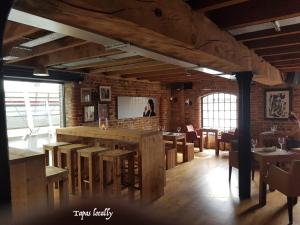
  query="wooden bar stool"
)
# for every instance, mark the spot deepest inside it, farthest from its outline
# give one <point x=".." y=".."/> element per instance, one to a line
<point x="88" y="161"/>
<point x="116" y="157"/>
<point x="52" y="149"/>
<point x="67" y="158"/>
<point x="57" y="175"/>
<point x="170" y="152"/>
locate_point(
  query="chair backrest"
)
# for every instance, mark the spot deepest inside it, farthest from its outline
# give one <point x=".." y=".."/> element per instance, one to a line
<point x="190" y="128"/>
<point x="295" y="178"/>
<point x="227" y="137"/>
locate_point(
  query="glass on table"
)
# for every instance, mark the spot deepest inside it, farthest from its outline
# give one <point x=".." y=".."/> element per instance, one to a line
<point x="281" y="141"/>
<point x="254" y="142"/>
<point x="178" y="129"/>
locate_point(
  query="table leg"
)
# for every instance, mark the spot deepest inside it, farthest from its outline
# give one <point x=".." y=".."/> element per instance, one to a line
<point x="91" y="176"/>
<point x="262" y="190"/>
<point x="63" y="192"/>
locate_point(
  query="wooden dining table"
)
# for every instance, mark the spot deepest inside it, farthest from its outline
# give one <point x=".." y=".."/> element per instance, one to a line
<point x="207" y="131"/>
<point x="264" y="157"/>
<point x="175" y="137"/>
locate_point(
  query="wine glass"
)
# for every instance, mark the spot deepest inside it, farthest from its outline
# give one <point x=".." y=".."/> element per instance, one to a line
<point x="253" y="142"/>
<point x="178" y="129"/>
<point x="281" y="141"/>
<point x="163" y="128"/>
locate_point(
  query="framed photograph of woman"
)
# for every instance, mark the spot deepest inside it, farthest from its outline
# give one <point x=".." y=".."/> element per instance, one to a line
<point x="105" y="93"/>
<point x="89" y="113"/>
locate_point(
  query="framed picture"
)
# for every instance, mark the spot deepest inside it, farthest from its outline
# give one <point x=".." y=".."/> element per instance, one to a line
<point x="86" y="95"/>
<point x="102" y="111"/>
<point x="105" y="93"/>
<point x="89" y="113"/>
<point x="278" y="103"/>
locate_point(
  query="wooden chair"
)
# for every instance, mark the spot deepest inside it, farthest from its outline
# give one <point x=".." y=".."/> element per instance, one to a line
<point x="288" y="183"/>
<point x="67" y="158"/>
<point x="226" y="138"/>
<point x="57" y="175"/>
<point x="88" y="165"/>
<point x="234" y="160"/>
<point x="52" y="149"/>
<point x="192" y="136"/>
<point x="116" y="157"/>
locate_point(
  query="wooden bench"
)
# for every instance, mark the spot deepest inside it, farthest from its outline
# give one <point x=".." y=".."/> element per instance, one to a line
<point x="60" y="176"/>
<point x="88" y="168"/>
<point x="116" y="157"/>
<point x="67" y="158"/>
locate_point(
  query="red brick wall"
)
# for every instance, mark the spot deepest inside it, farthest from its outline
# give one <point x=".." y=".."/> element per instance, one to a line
<point x="74" y="107"/>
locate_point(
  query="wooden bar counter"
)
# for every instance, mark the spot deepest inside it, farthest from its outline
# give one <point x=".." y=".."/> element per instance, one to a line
<point x="28" y="187"/>
<point x="151" y="152"/>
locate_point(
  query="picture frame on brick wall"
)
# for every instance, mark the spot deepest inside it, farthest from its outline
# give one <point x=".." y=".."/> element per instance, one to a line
<point x="89" y="113"/>
<point x="278" y="103"/>
<point x="86" y="95"/>
<point x="102" y="111"/>
<point x="105" y="93"/>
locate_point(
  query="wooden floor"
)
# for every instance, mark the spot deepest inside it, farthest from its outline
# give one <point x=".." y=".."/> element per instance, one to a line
<point x="198" y="192"/>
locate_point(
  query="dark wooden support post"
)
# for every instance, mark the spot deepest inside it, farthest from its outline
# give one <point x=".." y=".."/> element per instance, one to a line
<point x="5" y="194"/>
<point x="244" y="81"/>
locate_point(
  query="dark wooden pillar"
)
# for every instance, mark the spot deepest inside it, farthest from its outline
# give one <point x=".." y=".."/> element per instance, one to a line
<point x="244" y="81"/>
<point x="5" y="196"/>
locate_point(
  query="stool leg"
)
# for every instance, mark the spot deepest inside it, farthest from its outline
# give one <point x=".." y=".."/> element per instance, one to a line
<point x="116" y="176"/>
<point x="91" y="175"/>
<point x="59" y="160"/>
<point x="80" y="191"/>
<point x="54" y="157"/>
<point x="131" y="177"/>
<point x="50" y="195"/>
<point x="70" y="174"/>
<point x="101" y="174"/>
<point x="46" y="156"/>
<point x="63" y="192"/>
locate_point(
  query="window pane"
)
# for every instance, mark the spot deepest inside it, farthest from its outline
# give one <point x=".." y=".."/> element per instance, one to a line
<point x="210" y="106"/>
<point x="221" y="106"/>
<point x="233" y="106"/>
<point x="204" y="100"/>
<point x="227" y="106"/>
<point x="227" y="97"/>
<point x="233" y="123"/>
<point x="233" y="115"/>
<point x="205" y="115"/>
<point x="204" y="107"/>
<point x="211" y="98"/>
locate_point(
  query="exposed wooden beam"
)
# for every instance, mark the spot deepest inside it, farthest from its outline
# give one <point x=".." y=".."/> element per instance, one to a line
<point x="208" y="5"/>
<point x="173" y="29"/>
<point x="129" y="60"/>
<point x="287" y="62"/>
<point x="274" y="42"/>
<point x="285" y="30"/>
<point x="15" y="31"/>
<point x="278" y="50"/>
<point x="129" y="66"/>
<point x="284" y="57"/>
<point x="81" y="52"/>
<point x="255" y="12"/>
<point x="51" y="47"/>
<point x="288" y="65"/>
<point x="155" y="73"/>
<point x="291" y="69"/>
<point x="129" y="72"/>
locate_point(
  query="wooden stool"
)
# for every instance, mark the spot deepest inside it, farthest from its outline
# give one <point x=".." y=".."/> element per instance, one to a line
<point x="187" y="151"/>
<point x="54" y="175"/>
<point x="116" y="157"/>
<point x="52" y="149"/>
<point x="70" y="162"/>
<point x="170" y="157"/>
<point x="91" y="156"/>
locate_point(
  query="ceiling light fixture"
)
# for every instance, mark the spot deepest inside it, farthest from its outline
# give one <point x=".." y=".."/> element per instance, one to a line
<point x="207" y="70"/>
<point x="41" y="72"/>
<point x="276" y="25"/>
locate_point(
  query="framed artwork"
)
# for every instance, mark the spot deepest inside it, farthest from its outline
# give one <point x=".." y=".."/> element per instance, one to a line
<point x="102" y="111"/>
<point x="278" y="103"/>
<point x="86" y="95"/>
<point x="105" y="93"/>
<point x="89" y="113"/>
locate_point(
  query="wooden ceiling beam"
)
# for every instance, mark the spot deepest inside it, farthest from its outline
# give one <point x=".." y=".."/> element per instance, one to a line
<point x="155" y="73"/>
<point x="255" y="12"/>
<point x="119" y="62"/>
<point x="284" y="57"/>
<point x="287" y="40"/>
<point x="125" y="73"/>
<point x="51" y="47"/>
<point x="278" y="50"/>
<point x="77" y="53"/>
<point x="208" y="5"/>
<point x="149" y="63"/>
<point x="286" y="62"/>
<point x="173" y="29"/>
<point x="15" y="31"/>
<point x="285" y="30"/>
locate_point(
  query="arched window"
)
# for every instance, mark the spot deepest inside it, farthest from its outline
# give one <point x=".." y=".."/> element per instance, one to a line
<point x="219" y="111"/>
